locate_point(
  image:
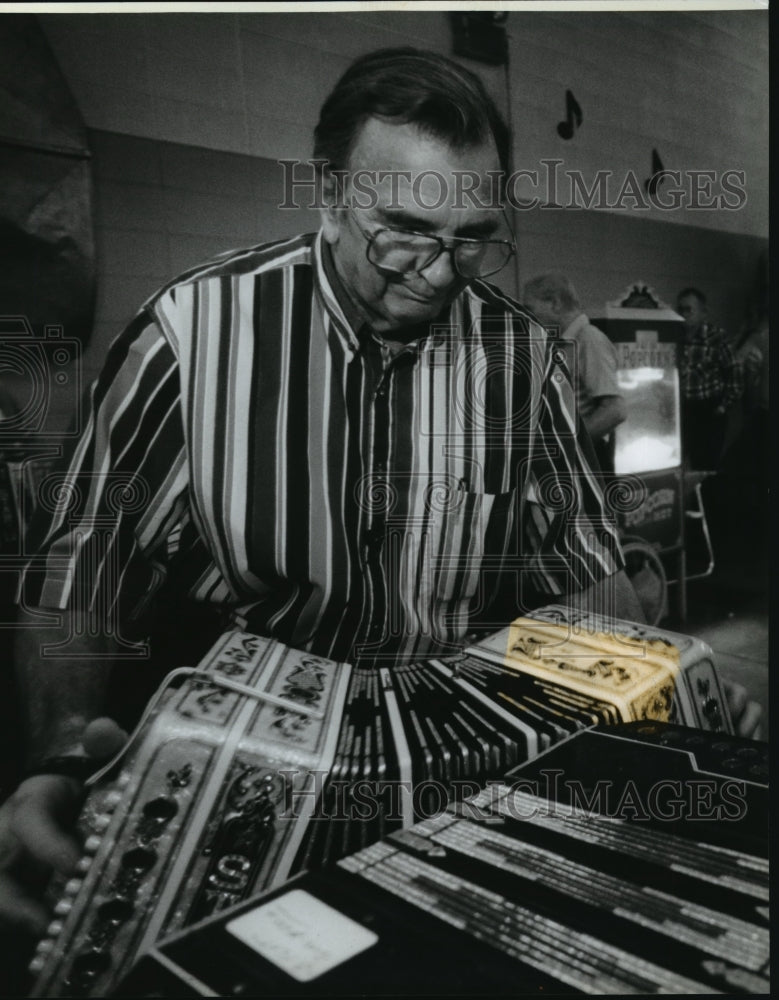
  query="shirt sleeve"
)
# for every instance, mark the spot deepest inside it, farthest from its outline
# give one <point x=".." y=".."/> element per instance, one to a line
<point x="597" y="360"/>
<point x="99" y="536"/>
<point x="570" y="535"/>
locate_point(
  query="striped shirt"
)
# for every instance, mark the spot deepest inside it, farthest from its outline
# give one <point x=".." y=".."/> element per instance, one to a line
<point x="360" y="503"/>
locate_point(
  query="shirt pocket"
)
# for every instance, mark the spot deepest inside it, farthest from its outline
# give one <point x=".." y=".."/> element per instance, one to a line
<point x="471" y="537"/>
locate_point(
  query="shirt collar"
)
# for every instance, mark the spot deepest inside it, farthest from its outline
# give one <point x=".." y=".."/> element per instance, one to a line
<point x="340" y="324"/>
<point x="351" y="313"/>
<point x="575" y="327"/>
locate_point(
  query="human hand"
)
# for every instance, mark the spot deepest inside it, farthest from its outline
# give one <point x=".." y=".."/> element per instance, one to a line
<point x="35" y="837"/>
<point x="744" y="712"/>
<point x="37" y="833"/>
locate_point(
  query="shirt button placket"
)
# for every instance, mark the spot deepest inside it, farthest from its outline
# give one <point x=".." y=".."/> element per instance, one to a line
<point x="375" y="535"/>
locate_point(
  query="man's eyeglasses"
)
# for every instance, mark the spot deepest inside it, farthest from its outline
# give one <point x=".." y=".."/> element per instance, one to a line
<point x="406" y="252"/>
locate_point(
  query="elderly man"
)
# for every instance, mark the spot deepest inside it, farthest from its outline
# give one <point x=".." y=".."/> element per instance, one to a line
<point x="591" y="359"/>
<point x="348" y="441"/>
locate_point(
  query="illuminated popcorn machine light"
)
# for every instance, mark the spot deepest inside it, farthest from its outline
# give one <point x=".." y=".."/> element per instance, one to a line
<point x="648" y="453"/>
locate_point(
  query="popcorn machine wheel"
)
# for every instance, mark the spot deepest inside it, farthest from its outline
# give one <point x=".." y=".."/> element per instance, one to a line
<point x="646" y="572"/>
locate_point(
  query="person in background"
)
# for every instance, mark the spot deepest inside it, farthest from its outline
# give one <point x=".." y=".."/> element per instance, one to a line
<point x="592" y="359"/>
<point x="711" y="381"/>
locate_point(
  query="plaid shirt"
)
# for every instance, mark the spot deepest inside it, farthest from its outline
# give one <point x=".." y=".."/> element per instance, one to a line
<point x="710" y="370"/>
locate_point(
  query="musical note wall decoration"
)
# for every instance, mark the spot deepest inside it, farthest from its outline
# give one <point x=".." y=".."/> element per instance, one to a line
<point x="652" y="183"/>
<point x="573" y="117"/>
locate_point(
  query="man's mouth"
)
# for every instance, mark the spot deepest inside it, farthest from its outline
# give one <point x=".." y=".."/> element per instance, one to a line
<point x="427" y="300"/>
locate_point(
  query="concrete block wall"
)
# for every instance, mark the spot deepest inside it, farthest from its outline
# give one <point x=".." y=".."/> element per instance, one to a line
<point x="188" y="114"/>
<point x="163" y="207"/>
<point x="604" y="253"/>
<point x="693" y="85"/>
<point x="245" y="83"/>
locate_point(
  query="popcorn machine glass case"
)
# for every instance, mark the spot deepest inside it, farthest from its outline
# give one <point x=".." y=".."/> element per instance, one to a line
<point x="649" y="439"/>
<point x="646" y="335"/>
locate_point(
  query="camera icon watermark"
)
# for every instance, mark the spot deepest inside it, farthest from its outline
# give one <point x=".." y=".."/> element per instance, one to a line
<point x="40" y="374"/>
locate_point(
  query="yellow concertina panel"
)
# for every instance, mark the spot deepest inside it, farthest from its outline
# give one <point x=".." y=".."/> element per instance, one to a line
<point x="637" y="675"/>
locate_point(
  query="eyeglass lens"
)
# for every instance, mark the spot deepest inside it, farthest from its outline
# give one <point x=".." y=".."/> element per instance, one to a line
<point x="406" y="252"/>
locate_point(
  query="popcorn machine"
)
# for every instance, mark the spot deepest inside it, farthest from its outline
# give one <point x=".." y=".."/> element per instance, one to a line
<point x="648" y="455"/>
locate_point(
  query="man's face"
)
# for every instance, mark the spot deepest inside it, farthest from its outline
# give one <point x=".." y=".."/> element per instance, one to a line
<point x="420" y="192"/>
<point x="692" y="311"/>
<point x="544" y="310"/>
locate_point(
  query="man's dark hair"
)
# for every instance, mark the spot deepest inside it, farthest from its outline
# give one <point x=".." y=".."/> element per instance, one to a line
<point x="409" y="86"/>
<point x="696" y="292"/>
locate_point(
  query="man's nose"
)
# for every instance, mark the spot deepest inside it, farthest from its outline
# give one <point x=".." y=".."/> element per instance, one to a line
<point x="440" y="273"/>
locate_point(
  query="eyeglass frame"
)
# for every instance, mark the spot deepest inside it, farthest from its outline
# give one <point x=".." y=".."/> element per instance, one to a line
<point x="445" y="244"/>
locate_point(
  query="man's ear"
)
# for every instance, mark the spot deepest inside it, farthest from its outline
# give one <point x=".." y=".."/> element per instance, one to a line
<point x="332" y="206"/>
